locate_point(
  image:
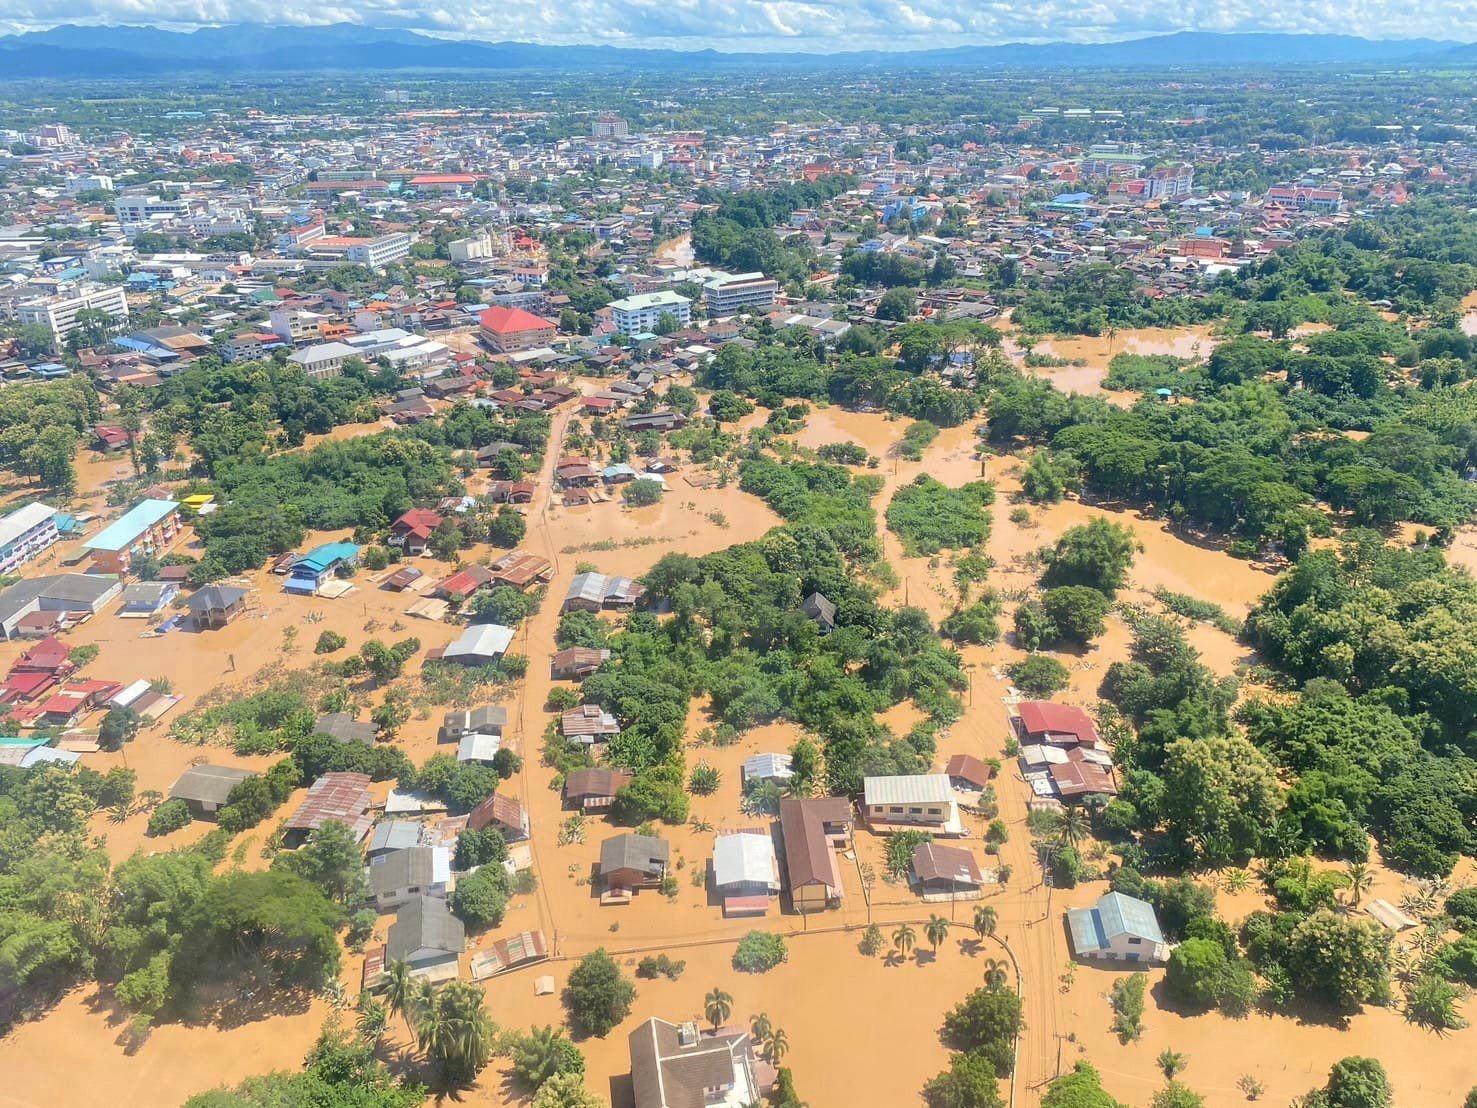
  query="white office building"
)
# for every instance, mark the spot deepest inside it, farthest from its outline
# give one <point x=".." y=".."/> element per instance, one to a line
<point x="639" y="315"/>
<point x="326" y="359"/>
<point x="139" y="208"/>
<point x="727" y="293"/>
<point x="89" y="182"/>
<point x="59" y="313"/>
<point x="380" y="252"/>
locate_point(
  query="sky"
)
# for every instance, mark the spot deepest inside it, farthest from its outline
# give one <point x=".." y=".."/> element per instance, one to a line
<point x="810" y="25"/>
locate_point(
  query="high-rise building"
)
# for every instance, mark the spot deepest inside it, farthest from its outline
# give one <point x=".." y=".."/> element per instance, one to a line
<point x="609" y="125"/>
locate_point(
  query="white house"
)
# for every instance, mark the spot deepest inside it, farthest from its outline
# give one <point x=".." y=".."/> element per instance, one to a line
<point x="1119" y="928"/>
<point x="922" y="799"/>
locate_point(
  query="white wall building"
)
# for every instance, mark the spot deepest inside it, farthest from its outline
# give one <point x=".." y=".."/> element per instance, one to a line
<point x="639" y="315"/>
<point x="59" y="313"/>
<point x="24" y="533"/>
<point x="727" y="293"/>
<point x="380" y="252"/>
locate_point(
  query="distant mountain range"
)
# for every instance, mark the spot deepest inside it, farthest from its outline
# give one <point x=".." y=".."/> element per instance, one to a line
<point x="82" y="52"/>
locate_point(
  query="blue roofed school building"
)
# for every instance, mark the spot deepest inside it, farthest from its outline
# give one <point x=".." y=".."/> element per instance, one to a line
<point x="1118" y="928"/>
<point x="147" y="528"/>
<point x="317" y="565"/>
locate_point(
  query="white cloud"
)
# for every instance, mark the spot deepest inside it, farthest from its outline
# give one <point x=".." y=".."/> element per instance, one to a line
<point x="820" y="25"/>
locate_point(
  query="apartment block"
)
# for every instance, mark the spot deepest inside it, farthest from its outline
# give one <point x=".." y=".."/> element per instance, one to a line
<point x="24" y="533"/>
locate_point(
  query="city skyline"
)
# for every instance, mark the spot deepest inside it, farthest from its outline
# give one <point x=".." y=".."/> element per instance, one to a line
<point x="770" y="25"/>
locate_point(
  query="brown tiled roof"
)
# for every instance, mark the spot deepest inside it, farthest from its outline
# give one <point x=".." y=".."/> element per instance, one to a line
<point x="501" y="810"/>
<point x="809" y="858"/>
<point x="584" y="783"/>
<point x="969" y="768"/>
<point x="935" y="862"/>
<point x="666" y="1074"/>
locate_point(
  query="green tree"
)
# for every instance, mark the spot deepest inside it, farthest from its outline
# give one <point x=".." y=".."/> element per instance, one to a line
<point x="1195" y="972"/>
<point x="1176" y="1094"/>
<point x="480" y="898"/>
<point x="1096" y="554"/>
<point x="1079" y="1088"/>
<point x="598" y="996"/>
<point x="896" y="305"/>
<point x="118" y="727"/>
<point x="331" y="860"/>
<point x="1220" y="797"/>
<point x="969" y="1082"/>
<point x="1355" y="1082"/>
<point x="985" y="919"/>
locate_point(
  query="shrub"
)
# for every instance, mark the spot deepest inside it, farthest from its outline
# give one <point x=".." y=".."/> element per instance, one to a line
<point x="704" y="779"/>
<point x="328" y="642"/>
<point x="758" y="952"/>
<point x="1128" y="1006"/>
<point x="660" y="965"/>
<point x="169" y="816"/>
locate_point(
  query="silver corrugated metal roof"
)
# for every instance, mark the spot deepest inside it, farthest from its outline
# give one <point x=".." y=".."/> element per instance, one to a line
<point x="918" y="788"/>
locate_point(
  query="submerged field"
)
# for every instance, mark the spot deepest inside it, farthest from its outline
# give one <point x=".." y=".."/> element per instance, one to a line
<point x="863" y="1031"/>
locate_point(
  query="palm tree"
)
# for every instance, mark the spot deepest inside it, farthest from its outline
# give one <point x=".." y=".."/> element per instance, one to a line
<point x="1172" y="1062"/>
<point x="456" y="1032"/>
<point x="760" y="1027"/>
<point x="984" y="922"/>
<point x="1074" y="826"/>
<point x="400" y="991"/>
<point x="717" y="1006"/>
<point x="778" y="1045"/>
<point x="537" y="1055"/>
<point x="904" y="939"/>
<point x="1360" y="879"/>
<point x="936" y="932"/>
<point x="996" y="973"/>
<point x="373" y="1017"/>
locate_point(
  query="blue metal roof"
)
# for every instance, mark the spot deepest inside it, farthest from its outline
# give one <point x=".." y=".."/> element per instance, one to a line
<point x="126" y="530"/>
<point x="323" y="558"/>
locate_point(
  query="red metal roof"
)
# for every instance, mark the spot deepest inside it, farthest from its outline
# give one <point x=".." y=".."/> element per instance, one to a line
<point x="1042" y="717"/>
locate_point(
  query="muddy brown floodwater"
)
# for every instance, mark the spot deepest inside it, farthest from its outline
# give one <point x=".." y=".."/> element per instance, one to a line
<point x="1096" y="351"/>
<point x="863" y="1031"/>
